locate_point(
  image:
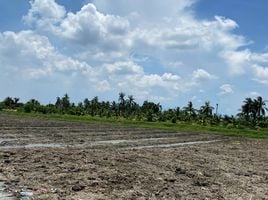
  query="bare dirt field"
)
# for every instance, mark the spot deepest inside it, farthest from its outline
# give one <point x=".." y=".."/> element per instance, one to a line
<point x="62" y="160"/>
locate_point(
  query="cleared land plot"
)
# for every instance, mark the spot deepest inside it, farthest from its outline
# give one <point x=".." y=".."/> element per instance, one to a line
<point x="64" y="160"/>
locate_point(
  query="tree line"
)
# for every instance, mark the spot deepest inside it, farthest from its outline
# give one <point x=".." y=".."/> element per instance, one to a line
<point x="251" y="114"/>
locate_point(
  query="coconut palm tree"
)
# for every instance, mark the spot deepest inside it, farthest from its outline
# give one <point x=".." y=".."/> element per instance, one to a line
<point x="8" y="102"/>
<point x="115" y="109"/>
<point x="130" y="105"/>
<point x="95" y="105"/>
<point x="86" y="104"/>
<point x="260" y="106"/>
<point x="252" y="110"/>
<point x="247" y="107"/>
<point x="189" y="110"/>
<point x="206" y="110"/>
<point x="122" y="103"/>
<point x="130" y="99"/>
<point x="66" y="104"/>
<point x="151" y="110"/>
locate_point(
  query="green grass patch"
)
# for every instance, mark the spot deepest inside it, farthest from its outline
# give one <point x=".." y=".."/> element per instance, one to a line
<point x="179" y="126"/>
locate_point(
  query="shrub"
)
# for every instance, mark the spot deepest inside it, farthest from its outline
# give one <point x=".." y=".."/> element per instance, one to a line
<point x="174" y="120"/>
<point x="262" y="124"/>
<point x="27" y="108"/>
<point x="230" y="126"/>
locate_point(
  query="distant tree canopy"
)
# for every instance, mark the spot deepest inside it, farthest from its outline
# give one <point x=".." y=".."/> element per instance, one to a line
<point x="251" y="114"/>
<point x="253" y="111"/>
<point x="11" y="103"/>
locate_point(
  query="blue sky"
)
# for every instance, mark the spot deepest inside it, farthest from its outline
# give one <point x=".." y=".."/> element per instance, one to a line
<point x="250" y="15"/>
<point x="171" y="51"/>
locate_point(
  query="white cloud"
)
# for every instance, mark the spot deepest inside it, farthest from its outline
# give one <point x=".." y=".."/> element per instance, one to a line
<point x="225" y="23"/>
<point x="149" y="9"/>
<point x="98" y="34"/>
<point x="152" y="49"/>
<point x="175" y="65"/>
<point x="260" y="73"/>
<point x="44" y="14"/>
<point x="38" y="59"/>
<point x="171" y="77"/>
<point x="124" y="68"/>
<point x="237" y="60"/>
<point x="101" y="32"/>
<point x="226" y="89"/>
<point x="254" y="94"/>
<point x="193" y="98"/>
<point x="262" y="58"/>
<point x="187" y="33"/>
<point x="131" y="75"/>
<point x="202" y="75"/>
<point x="103" y="86"/>
<point x="35" y="56"/>
<point x="89" y="26"/>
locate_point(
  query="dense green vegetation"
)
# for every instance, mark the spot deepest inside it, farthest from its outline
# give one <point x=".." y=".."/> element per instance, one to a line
<point x="250" y="121"/>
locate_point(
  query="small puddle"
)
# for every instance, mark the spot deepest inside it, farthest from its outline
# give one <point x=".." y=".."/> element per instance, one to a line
<point x="173" y="145"/>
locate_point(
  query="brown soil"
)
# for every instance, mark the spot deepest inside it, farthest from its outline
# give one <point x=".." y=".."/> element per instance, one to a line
<point x="60" y="160"/>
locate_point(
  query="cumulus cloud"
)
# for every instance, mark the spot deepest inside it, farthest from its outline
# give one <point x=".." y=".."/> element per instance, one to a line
<point x="44" y="14"/>
<point x="226" y="89"/>
<point x="38" y="58"/>
<point x="128" y="75"/>
<point x="149" y="9"/>
<point x="202" y="75"/>
<point x="100" y="25"/>
<point x="153" y="49"/>
<point x="89" y="26"/>
<point x="260" y="73"/>
<point x="35" y="56"/>
<point x="258" y="57"/>
<point x="123" y="68"/>
<point x="237" y="60"/>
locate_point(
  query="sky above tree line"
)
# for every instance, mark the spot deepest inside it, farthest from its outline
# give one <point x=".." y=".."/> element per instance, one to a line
<point x="171" y="51"/>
